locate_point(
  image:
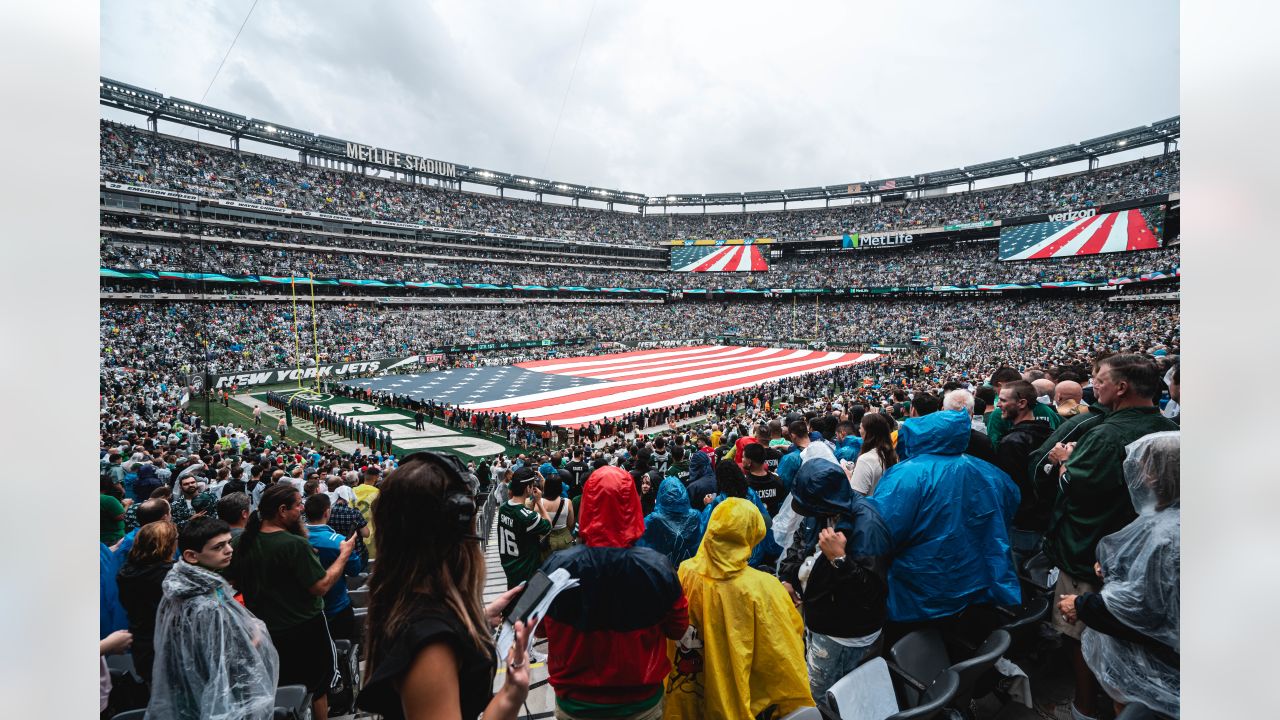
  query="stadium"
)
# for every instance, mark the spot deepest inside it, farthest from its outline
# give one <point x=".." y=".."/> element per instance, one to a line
<point x="302" y="322"/>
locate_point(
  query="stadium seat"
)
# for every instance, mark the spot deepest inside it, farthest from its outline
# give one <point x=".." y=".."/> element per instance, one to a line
<point x="1035" y="572"/>
<point x="917" y="659"/>
<point x="342" y="699"/>
<point x="864" y="694"/>
<point x="292" y="703"/>
<point x="1022" y="621"/>
<point x="361" y="615"/>
<point x="972" y="670"/>
<point x="128" y="691"/>
<point x="934" y="703"/>
<point x="1137" y="711"/>
<point x="359" y="598"/>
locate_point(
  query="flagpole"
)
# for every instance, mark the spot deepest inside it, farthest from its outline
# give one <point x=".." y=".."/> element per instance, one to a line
<point x="315" y="330"/>
<point x="297" y="344"/>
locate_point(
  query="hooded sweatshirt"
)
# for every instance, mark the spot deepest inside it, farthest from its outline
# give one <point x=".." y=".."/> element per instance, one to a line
<point x="607" y="637"/>
<point x="214" y="659"/>
<point x="702" y="479"/>
<point x="752" y="652"/>
<point x="672" y="528"/>
<point x="948" y="516"/>
<point x="847" y="602"/>
<point x="140" y="595"/>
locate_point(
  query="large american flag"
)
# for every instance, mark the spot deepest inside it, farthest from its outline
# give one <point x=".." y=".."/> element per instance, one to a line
<point x="1103" y="233"/>
<point x="723" y="258"/>
<point x="570" y="392"/>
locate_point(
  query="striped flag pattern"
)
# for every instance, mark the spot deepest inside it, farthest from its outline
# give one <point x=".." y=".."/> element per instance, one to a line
<point x="626" y="382"/>
<point x="569" y="392"/>
<point x="718" y="258"/>
<point x="1104" y="233"/>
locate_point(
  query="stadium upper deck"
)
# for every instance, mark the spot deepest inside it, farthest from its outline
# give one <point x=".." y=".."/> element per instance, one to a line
<point x="135" y="158"/>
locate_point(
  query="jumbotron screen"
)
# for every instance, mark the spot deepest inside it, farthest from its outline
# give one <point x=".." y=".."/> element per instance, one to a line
<point x="719" y="258"/>
<point x="1084" y="232"/>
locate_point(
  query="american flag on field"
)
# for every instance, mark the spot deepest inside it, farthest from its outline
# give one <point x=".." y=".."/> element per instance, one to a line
<point x="1104" y="233"/>
<point x="570" y="392"/>
<point x="723" y="258"/>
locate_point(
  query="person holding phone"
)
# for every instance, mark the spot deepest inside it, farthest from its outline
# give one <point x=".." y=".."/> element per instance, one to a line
<point x="521" y="526"/>
<point x="429" y="646"/>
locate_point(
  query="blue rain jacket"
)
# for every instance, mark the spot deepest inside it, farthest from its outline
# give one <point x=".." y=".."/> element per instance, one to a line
<point x="948" y="516"/>
<point x="673" y="528"/>
<point x="849" y="448"/>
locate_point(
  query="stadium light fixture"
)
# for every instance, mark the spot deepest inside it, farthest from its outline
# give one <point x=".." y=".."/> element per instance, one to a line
<point x="671" y="198"/>
<point x="270" y="129"/>
<point x="1053" y="159"/>
<point x="1122" y="142"/>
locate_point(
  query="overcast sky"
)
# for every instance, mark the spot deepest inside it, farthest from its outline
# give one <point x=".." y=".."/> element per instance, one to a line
<point x="668" y="96"/>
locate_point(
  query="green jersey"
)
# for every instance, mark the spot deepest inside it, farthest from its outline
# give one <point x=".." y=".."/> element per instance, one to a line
<point x="520" y="532"/>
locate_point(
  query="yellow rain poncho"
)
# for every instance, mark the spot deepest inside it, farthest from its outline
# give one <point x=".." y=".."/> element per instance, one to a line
<point x="745" y="648"/>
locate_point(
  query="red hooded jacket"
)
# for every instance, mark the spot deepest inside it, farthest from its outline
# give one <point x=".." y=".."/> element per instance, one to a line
<point x="607" y="638"/>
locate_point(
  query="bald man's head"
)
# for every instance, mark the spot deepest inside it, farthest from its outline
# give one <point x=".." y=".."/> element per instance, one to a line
<point x="1069" y="390"/>
<point x="1044" y="386"/>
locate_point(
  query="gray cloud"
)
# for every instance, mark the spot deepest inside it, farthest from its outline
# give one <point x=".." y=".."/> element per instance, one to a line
<point x="670" y="97"/>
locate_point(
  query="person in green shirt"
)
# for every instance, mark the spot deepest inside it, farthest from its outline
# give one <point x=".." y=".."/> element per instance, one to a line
<point x="111" y="528"/>
<point x="1093" y="499"/>
<point x="284" y="585"/>
<point x="520" y="529"/>
<point x="997" y="425"/>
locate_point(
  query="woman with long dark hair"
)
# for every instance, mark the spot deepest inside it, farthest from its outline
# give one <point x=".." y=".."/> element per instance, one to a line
<point x="877" y="453"/>
<point x="148" y="562"/>
<point x="429" y="647"/>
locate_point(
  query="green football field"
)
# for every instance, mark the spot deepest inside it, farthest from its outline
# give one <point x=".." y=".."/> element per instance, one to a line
<point x="404" y="438"/>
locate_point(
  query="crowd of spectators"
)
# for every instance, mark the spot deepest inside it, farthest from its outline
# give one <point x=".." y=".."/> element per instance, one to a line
<point x="135" y="157"/>
<point x="967" y="264"/>
<point x="819" y="519"/>
<point x="247" y="335"/>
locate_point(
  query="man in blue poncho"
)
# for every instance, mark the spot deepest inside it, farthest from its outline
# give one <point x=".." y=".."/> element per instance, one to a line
<point x="673" y="527"/>
<point x="948" y="516"/>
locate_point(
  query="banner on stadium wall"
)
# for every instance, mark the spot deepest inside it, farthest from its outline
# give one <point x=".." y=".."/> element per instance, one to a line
<point x="328" y="216"/>
<point x="972" y="225"/>
<point x="676" y="294"/>
<point x="1084" y="232"/>
<point x="402" y="226"/>
<point x="731" y="241"/>
<point x="170" y="194"/>
<point x="269" y="376"/>
<point x="252" y="206"/>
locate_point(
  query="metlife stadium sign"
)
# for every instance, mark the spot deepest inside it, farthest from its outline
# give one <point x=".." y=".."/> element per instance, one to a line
<point x="401" y="161"/>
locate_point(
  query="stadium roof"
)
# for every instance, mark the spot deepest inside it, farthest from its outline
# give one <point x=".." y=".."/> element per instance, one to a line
<point x="155" y="106"/>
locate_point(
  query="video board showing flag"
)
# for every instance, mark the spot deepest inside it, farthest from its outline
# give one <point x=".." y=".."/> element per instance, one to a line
<point x="1069" y="234"/>
<point x="718" y="258"/>
<point x="574" y="391"/>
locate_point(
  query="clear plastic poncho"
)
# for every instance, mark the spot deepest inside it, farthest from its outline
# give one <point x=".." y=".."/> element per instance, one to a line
<point x="1140" y="569"/>
<point x="214" y="659"/>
